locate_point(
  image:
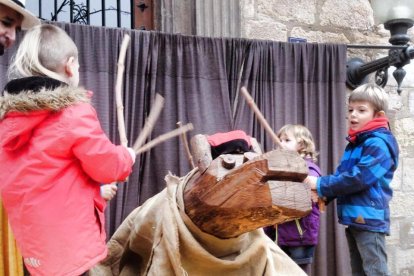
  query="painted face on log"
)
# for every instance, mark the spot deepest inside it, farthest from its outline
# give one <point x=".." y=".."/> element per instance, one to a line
<point x="237" y="193"/>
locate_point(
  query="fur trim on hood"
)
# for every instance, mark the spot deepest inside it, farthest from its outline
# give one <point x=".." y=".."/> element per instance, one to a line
<point x="30" y="94"/>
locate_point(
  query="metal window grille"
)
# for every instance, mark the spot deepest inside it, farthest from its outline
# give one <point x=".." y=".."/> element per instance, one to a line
<point x="111" y="13"/>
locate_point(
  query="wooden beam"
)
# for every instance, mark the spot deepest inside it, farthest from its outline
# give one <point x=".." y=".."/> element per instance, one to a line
<point x="143" y="14"/>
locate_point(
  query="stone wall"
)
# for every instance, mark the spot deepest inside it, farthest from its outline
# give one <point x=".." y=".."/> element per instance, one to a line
<point x="351" y="22"/>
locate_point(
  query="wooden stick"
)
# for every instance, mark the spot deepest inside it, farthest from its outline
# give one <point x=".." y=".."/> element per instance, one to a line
<point x="118" y="91"/>
<point x="260" y="116"/>
<point x="267" y="127"/>
<point x="186" y="146"/>
<point x="149" y="124"/>
<point x="164" y="137"/>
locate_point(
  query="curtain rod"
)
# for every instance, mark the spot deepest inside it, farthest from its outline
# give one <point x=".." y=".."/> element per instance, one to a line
<point x="360" y="46"/>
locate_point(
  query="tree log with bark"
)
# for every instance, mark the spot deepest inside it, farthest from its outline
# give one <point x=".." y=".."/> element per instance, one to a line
<point x="207" y="222"/>
<point x="237" y="193"/>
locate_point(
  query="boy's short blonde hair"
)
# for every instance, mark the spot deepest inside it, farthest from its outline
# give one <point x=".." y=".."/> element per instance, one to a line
<point x="43" y="50"/>
<point x="371" y="93"/>
<point x="303" y="137"/>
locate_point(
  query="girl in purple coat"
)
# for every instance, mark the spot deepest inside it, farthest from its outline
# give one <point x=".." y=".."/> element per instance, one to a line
<point x="299" y="237"/>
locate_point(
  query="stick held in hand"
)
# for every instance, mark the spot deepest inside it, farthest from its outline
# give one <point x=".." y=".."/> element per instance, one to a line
<point x="186" y="146"/>
<point x="150" y="122"/>
<point x="260" y="116"/>
<point x="118" y="91"/>
<point x="164" y="137"/>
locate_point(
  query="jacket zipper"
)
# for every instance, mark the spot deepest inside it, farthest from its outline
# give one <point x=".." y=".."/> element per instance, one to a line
<point x="297" y="226"/>
<point x="299" y="229"/>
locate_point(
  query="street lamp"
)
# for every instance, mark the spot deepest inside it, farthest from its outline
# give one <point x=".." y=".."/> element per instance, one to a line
<point x="397" y="17"/>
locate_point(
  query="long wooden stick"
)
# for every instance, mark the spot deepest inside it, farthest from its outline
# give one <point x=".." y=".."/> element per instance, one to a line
<point x="149" y="124"/>
<point x="267" y="127"/>
<point x="186" y="146"/>
<point x="260" y="116"/>
<point x="118" y="91"/>
<point x="164" y="137"/>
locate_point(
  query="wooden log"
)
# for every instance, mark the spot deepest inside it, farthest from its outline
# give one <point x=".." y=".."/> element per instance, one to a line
<point x="263" y="191"/>
<point x="269" y="130"/>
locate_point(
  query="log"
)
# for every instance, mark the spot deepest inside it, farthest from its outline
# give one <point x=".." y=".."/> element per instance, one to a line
<point x="269" y="130"/>
<point x="227" y="201"/>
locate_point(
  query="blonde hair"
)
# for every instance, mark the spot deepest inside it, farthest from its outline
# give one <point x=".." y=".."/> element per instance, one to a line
<point x="371" y="93"/>
<point x="42" y="52"/>
<point x="303" y="137"/>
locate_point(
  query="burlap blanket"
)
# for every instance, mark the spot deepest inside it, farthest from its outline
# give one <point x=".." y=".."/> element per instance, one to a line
<point x="159" y="239"/>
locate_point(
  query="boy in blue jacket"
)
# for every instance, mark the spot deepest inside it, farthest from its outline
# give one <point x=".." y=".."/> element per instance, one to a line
<point x="361" y="183"/>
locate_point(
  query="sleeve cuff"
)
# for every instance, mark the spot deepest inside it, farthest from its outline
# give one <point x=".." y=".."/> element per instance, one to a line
<point x="318" y="187"/>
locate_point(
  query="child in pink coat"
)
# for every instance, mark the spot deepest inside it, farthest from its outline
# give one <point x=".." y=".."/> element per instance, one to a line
<point x="54" y="155"/>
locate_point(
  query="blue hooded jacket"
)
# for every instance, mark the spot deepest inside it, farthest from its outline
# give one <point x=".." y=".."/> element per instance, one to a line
<point x="361" y="182"/>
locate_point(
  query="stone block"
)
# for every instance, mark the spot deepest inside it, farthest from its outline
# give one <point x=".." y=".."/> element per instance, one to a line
<point x="403" y="262"/>
<point x="395" y="102"/>
<point x="319" y="36"/>
<point x="411" y="102"/>
<point x="350" y="14"/>
<point x="408" y="176"/>
<point x="401" y="204"/>
<point x="248" y="9"/>
<point x="404" y="132"/>
<point x="266" y="30"/>
<point x="298" y="11"/>
<point x="407" y="233"/>
<point x="394" y="238"/>
<point x="396" y="182"/>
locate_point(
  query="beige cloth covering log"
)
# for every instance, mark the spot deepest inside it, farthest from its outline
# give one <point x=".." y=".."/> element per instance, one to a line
<point x="159" y="239"/>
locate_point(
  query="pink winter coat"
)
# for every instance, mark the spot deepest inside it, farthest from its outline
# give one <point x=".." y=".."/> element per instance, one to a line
<point x="53" y="157"/>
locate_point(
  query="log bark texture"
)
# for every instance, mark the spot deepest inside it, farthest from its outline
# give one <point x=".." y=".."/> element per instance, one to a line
<point x="238" y="193"/>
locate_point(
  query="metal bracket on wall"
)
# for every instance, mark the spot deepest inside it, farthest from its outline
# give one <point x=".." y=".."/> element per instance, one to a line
<point x="398" y="56"/>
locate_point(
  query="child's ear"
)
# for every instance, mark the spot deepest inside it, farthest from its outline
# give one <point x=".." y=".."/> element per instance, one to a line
<point x="69" y="66"/>
<point x="380" y="114"/>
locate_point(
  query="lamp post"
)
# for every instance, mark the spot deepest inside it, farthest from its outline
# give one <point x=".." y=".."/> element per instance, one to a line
<point x="397" y="17"/>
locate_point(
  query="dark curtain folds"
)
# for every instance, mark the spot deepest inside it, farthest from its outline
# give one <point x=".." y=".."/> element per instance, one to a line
<point x="295" y="83"/>
<point x="200" y="79"/>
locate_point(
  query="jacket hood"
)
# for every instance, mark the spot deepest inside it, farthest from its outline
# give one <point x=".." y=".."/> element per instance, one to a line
<point x="39" y="93"/>
<point x="387" y="137"/>
<point x="28" y="102"/>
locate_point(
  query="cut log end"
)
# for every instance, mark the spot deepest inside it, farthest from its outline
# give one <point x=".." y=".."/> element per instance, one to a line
<point x="227" y="202"/>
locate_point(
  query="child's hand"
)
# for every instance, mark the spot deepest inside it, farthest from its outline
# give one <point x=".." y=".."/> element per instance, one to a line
<point x="314" y="196"/>
<point x="108" y="191"/>
<point x="311" y="181"/>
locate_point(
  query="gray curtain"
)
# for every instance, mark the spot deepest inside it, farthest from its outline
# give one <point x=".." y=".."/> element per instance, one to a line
<point x="295" y="83"/>
<point x="200" y="78"/>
